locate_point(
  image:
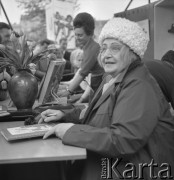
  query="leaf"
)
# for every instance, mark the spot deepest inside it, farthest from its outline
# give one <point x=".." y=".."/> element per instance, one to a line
<point x="4" y="61"/>
<point x="13" y="55"/>
<point x="23" y="47"/>
<point x="27" y="57"/>
<point x="23" y="53"/>
<point x="6" y="64"/>
<point x="19" y="54"/>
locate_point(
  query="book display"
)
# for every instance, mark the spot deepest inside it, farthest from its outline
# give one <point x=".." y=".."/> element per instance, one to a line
<point x="51" y="81"/>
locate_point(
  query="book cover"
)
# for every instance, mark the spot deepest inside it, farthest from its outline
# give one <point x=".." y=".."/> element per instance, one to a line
<point x="51" y="81"/>
<point x="25" y="132"/>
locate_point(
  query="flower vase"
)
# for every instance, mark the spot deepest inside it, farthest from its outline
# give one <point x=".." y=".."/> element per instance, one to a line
<point x="23" y="89"/>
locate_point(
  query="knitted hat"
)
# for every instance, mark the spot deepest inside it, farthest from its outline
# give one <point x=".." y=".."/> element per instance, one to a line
<point x="126" y="31"/>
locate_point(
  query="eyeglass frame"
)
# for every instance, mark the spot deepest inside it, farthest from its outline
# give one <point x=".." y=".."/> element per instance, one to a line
<point x="111" y="50"/>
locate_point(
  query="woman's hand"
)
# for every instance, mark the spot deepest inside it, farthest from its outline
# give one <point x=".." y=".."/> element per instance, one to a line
<point x="59" y="130"/>
<point x="51" y="115"/>
<point x="65" y="83"/>
<point x="63" y="93"/>
<point x="32" y="67"/>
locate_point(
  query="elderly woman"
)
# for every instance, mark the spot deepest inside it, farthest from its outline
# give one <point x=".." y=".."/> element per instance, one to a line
<point x="128" y="129"/>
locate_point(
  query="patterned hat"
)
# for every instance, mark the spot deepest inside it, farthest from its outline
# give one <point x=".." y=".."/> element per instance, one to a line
<point x="126" y="31"/>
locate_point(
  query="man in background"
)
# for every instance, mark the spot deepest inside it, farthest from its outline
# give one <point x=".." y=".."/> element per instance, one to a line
<point x="5" y="33"/>
<point x="5" y="74"/>
<point x="42" y="65"/>
<point x="163" y="72"/>
<point x="66" y="54"/>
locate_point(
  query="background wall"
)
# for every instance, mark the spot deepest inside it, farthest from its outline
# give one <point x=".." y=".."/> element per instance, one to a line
<point x="139" y="14"/>
<point x="163" y="19"/>
<point x="160" y="16"/>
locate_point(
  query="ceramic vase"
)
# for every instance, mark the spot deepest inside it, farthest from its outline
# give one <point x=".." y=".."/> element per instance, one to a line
<point x="23" y="89"/>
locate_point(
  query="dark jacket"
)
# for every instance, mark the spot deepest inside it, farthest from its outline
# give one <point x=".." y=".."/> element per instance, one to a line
<point x="163" y="72"/>
<point x="66" y="56"/>
<point x="134" y="124"/>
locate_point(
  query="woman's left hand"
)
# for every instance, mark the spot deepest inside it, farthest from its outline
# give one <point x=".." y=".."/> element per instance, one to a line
<point x="59" y="130"/>
<point x="63" y="93"/>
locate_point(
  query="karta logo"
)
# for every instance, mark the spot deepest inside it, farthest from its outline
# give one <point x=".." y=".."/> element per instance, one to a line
<point x="110" y="169"/>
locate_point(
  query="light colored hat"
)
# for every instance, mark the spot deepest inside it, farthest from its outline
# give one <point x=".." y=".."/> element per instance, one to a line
<point x="126" y="31"/>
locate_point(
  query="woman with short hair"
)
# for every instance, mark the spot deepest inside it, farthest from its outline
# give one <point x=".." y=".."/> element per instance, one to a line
<point x="84" y="26"/>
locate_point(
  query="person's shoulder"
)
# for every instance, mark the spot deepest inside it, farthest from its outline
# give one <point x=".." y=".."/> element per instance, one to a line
<point x="168" y="53"/>
<point x="154" y="62"/>
<point x="138" y="74"/>
<point x="94" y="45"/>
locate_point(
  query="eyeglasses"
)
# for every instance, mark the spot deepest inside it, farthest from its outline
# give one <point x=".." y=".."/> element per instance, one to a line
<point x="113" y="49"/>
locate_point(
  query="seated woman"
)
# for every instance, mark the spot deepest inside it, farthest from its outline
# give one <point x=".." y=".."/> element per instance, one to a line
<point x="128" y="123"/>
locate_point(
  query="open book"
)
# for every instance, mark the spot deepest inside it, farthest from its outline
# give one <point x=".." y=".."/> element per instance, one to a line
<point x="24" y="132"/>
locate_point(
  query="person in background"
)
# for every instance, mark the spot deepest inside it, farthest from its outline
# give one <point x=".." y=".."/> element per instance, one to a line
<point x="128" y="123"/>
<point x="84" y="26"/>
<point x="42" y="45"/>
<point x="66" y="54"/>
<point x="4" y="78"/>
<point x="40" y="69"/>
<point x="76" y="60"/>
<point x="32" y="44"/>
<point x="163" y="72"/>
<point x="5" y="74"/>
<point x="5" y="33"/>
<point x="54" y="53"/>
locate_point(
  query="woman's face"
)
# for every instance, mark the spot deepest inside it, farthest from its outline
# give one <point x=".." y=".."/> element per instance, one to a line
<point x="81" y="37"/>
<point x="111" y="57"/>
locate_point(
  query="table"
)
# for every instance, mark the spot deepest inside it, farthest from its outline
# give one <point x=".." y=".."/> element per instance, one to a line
<point x="36" y="150"/>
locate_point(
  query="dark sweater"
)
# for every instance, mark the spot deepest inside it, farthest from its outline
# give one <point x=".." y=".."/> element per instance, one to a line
<point x="164" y="75"/>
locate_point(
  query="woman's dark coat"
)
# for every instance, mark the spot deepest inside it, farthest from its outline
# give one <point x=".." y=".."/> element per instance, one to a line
<point x="136" y="126"/>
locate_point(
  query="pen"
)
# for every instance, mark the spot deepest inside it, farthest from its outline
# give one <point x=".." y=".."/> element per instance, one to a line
<point x="53" y="114"/>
